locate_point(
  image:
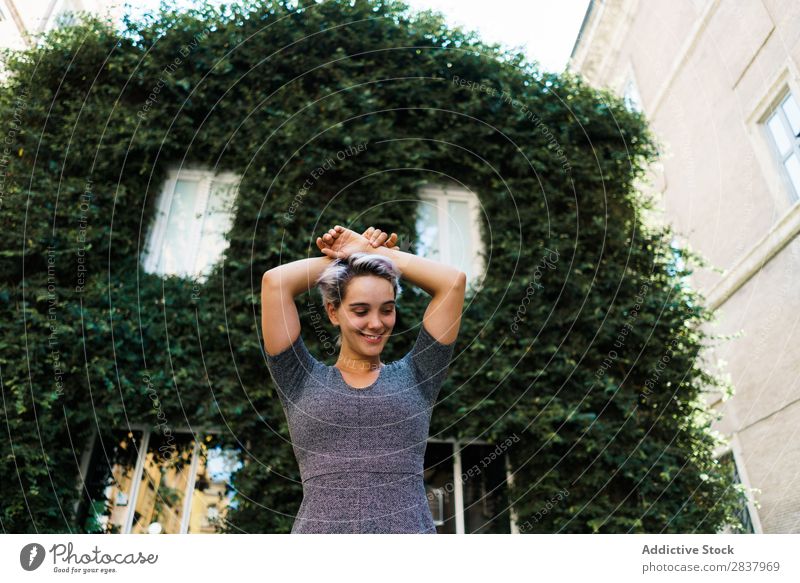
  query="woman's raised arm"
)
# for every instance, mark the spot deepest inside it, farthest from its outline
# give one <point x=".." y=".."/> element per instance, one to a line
<point x="447" y="285"/>
<point x="280" y="322"/>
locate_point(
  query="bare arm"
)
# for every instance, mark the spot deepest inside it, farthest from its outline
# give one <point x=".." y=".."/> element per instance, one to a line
<point x="280" y="322"/>
<point x="433" y="277"/>
<point x="446" y="284"/>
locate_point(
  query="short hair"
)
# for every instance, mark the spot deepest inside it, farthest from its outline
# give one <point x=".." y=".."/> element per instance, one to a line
<point x="335" y="279"/>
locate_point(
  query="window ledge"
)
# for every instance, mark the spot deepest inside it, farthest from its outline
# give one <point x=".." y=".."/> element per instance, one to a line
<point x="780" y="235"/>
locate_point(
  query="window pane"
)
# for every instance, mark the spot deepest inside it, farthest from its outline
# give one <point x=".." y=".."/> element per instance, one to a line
<point x="159" y="502"/>
<point x="177" y="252"/>
<point x="778" y="132"/>
<point x="428" y="230"/>
<point x="485" y="500"/>
<point x="460" y="236"/>
<point x="213" y="493"/>
<point x="440" y="486"/>
<point x="631" y="95"/>
<point x="223" y="195"/>
<point x="793" y="169"/>
<point x="728" y="463"/>
<point x="108" y="482"/>
<point x="792" y="112"/>
<point x="217" y="223"/>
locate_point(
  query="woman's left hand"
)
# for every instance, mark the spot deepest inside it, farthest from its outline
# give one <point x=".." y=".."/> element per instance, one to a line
<point x="378" y="238"/>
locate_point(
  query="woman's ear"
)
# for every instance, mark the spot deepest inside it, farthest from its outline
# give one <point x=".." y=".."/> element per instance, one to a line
<point x="331" y="311"/>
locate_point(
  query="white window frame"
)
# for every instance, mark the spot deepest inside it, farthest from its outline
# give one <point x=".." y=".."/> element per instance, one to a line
<point x="734" y="446"/>
<point x="139" y="470"/>
<point x="458" y="484"/>
<point x="776" y="109"/>
<point x="146" y="430"/>
<point x="439" y="195"/>
<point x="151" y="257"/>
<point x="58" y="12"/>
<point x="630" y="91"/>
<point x="784" y="79"/>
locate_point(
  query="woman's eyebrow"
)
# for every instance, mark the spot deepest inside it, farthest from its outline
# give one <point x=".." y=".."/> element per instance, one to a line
<point x="368" y="304"/>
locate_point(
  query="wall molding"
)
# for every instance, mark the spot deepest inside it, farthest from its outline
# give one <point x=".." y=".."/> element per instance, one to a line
<point x="759" y="255"/>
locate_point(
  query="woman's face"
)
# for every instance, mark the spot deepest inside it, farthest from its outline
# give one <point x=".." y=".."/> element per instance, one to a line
<point x="368" y="308"/>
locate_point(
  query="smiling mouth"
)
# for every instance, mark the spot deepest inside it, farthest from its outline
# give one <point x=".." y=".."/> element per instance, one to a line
<point x="371" y="337"/>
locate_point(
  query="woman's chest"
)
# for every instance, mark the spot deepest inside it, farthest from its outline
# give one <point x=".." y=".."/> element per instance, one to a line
<point x="389" y="401"/>
<point x="359" y="381"/>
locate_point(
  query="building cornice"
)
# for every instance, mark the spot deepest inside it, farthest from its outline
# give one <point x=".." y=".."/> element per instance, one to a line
<point x="602" y="33"/>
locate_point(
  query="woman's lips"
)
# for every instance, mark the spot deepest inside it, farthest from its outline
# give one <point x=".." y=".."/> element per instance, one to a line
<point x="372" y="340"/>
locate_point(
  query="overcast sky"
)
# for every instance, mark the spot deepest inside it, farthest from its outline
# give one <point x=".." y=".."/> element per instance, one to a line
<point x="544" y="29"/>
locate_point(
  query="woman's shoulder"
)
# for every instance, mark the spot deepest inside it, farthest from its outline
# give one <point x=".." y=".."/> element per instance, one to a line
<point x="294" y="364"/>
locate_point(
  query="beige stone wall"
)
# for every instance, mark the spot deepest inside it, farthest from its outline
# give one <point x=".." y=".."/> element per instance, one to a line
<point x="707" y="71"/>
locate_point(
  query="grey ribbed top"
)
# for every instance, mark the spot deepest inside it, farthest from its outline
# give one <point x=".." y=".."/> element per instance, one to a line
<point x="381" y="428"/>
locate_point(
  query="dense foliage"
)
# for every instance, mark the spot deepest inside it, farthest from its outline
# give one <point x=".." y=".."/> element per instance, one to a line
<point x="583" y="341"/>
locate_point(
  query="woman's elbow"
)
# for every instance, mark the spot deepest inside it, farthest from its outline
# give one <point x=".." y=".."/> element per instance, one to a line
<point x="272" y="275"/>
<point x="269" y="281"/>
<point x="458" y="286"/>
<point x="458" y="281"/>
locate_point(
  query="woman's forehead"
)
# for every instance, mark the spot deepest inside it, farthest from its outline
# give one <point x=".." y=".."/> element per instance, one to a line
<point x="370" y="286"/>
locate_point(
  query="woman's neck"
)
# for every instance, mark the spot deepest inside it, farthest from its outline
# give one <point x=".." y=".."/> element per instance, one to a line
<point x="356" y="364"/>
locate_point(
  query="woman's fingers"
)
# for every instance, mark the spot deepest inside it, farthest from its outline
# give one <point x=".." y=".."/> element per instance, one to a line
<point x="381" y="239"/>
<point x="328" y="242"/>
<point x="376" y="235"/>
<point x="388" y="240"/>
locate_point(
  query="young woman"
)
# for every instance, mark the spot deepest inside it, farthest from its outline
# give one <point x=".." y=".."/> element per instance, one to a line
<point x="359" y="428"/>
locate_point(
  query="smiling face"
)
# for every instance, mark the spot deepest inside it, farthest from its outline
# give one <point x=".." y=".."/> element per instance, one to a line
<point x="368" y="309"/>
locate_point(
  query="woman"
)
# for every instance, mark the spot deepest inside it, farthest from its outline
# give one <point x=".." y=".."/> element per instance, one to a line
<point x="359" y="428"/>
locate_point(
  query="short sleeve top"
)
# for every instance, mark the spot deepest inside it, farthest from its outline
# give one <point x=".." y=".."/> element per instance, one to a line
<point x="380" y="428"/>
